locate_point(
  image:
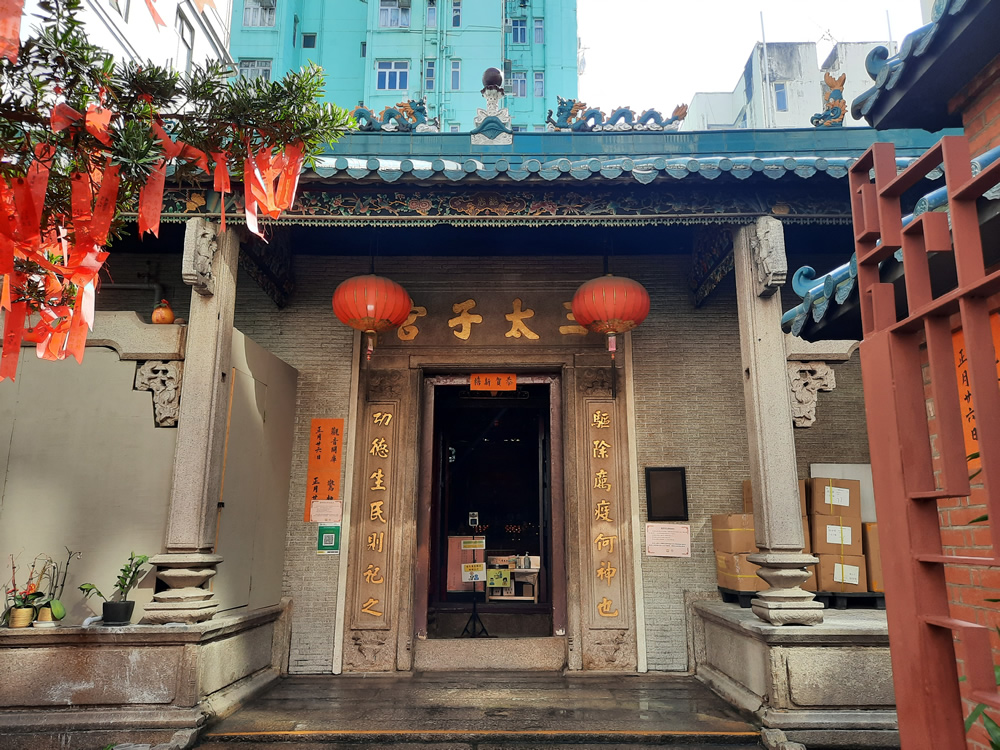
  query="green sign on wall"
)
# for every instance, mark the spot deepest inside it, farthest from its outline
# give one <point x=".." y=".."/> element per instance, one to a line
<point x="328" y="542"/>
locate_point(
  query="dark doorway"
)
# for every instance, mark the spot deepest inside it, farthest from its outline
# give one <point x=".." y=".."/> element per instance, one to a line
<point x="492" y="458"/>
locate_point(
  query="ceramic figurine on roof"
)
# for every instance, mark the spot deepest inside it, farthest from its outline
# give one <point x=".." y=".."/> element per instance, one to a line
<point x="592" y="120"/>
<point x="492" y="125"/>
<point x="835" y="106"/>
<point x="405" y="117"/>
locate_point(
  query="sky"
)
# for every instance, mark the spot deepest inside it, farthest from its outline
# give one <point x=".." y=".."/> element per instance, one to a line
<point x="658" y="53"/>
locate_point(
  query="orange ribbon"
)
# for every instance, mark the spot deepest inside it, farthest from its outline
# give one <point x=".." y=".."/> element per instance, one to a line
<point x="10" y="28"/>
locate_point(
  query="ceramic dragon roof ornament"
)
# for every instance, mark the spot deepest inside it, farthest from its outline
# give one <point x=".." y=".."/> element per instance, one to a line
<point x="405" y="117"/>
<point x="834" y="107"/>
<point x="577" y="117"/>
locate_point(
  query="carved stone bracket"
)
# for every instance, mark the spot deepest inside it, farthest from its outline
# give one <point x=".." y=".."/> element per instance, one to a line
<point x="200" y="246"/>
<point x="806" y="380"/>
<point x="164" y="380"/>
<point x="767" y="252"/>
<point x="385" y="384"/>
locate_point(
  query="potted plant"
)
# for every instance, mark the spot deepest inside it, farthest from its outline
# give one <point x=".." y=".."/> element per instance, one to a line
<point x="50" y="607"/>
<point x="118" y="609"/>
<point x="20" y="601"/>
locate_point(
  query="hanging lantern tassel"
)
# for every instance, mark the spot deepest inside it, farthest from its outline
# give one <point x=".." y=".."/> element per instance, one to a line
<point x="611" y="305"/>
<point x="371" y="304"/>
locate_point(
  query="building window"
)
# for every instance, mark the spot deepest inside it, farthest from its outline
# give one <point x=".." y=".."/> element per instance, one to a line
<point x="456" y="75"/>
<point x="430" y="73"/>
<point x="432" y="14"/>
<point x="539" y="128"/>
<point x="254" y="69"/>
<point x="780" y="97"/>
<point x="453" y="128"/>
<point x="258" y="12"/>
<point x="456" y="13"/>
<point x="519" y="31"/>
<point x="539" y="31"/>
<point x="185" y="45"/>
<point x="391" y="16"/>
<point x="519" y="128"/>
<point x="364" y="49"/>
<point x="308" y="41"/>
<point x="539" y="85"/>
<point x="519" y="84"/>
<point x="393" y="75"/>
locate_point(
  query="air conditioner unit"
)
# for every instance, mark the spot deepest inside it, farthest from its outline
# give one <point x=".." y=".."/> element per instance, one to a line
<point x="404" y="3"/>
<point x="507" y="25"/>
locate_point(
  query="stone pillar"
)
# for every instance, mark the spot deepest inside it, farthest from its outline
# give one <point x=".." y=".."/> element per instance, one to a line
<point x="761" y="268"/>
<point x="209" y="266"/>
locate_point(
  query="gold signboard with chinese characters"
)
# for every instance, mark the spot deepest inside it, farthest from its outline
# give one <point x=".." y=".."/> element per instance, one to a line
<point x="373" y="601"/>
<point x="605" y="572"/>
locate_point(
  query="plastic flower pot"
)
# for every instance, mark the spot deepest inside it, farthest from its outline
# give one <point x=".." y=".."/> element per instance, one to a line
<point x="117" y="613"/>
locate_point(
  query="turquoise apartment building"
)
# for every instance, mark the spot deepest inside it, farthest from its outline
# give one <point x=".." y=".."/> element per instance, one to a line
<point x="381" y="52"/>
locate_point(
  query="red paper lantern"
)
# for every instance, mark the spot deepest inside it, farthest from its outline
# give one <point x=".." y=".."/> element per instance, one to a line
<point x="371" y="304"/>
<point x="611" y="305"/>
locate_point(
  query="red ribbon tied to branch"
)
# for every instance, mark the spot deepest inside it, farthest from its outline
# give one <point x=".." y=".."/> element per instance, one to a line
<point x="10" y="28"/>
<point x="270" y="182"/>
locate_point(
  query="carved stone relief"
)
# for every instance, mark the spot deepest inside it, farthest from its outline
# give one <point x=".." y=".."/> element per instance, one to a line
<point x="164" y="380"/>
<point x="200" y="247"/>
<point x="806" y="380"/>
<point x="594" y="381"/>
<point x="385" y="384"/>
<point x="767" y="250"/>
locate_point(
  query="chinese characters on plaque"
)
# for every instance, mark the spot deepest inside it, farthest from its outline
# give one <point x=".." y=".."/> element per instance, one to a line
<point x="376" y="518"/>
<point x="499" y="318"/>
<point x="966" y="402"/>
<point x="326" y="445"/>
<point x="604" y="492"/>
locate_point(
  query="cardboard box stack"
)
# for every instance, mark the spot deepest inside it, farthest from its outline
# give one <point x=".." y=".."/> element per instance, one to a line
<point x="810" y="584"/>
<point x="835" y="526"/>
<point x="733" y="539"/>
<point x="873" y="556"/>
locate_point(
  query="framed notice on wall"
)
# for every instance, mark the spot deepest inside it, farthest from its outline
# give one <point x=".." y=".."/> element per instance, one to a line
<point x="666" y="494"/>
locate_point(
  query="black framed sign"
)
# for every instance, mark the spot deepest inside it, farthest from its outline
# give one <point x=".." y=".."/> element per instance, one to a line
<point x="666" y="493"/>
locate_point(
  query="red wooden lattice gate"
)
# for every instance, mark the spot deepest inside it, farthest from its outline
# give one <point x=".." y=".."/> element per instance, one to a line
<point x="930" y="645"/>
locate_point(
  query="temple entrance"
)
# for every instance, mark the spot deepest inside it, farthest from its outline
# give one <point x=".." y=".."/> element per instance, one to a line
<point x="492" y="480"/>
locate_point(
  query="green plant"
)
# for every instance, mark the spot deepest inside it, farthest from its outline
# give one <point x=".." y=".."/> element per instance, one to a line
<point x="32" y="592"/>
<point x="127" y="580"/>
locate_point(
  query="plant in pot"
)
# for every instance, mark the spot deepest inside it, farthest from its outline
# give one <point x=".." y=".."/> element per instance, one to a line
<point x="50" y="607"/>
<point x="118" y="609"/>
<point x="20" y="602"/>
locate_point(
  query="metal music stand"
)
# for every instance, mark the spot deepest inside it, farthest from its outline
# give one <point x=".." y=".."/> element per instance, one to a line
<point x="474" y="628"/>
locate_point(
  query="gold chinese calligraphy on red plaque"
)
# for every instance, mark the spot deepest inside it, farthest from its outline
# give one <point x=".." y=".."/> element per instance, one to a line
<point x="326" y="446"/>
<point x="606" y="571"/>
<point x="372" y="585"/>
<point x="493" y="381"/>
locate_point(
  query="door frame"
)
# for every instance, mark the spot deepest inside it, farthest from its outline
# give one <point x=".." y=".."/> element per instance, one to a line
<point x="425" y="496"/>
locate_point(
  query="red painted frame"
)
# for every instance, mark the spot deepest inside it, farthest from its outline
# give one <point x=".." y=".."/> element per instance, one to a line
<point x="922" y="632"/>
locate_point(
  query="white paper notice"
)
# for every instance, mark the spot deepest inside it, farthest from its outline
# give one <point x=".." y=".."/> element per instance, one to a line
<point x="838" y="535"/>
<point x="836" y="496"/>
<point x="327" y="511"/>
<point x="668" y="540"/>
<point x="846" y="573"/>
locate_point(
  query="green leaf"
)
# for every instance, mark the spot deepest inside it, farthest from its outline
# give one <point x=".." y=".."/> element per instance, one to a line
<point x="981" y="519"/>
<point x="971" y="718"/>
<point x="992" y="730"/>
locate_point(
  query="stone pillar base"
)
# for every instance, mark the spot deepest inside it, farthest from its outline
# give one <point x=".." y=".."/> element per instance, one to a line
<point x="186" y="599"/>
<point x="785" y="603"/>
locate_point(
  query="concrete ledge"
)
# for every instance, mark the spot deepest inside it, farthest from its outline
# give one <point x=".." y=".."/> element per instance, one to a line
<point x="474" y="654"/>
<point x="832" y="681"/>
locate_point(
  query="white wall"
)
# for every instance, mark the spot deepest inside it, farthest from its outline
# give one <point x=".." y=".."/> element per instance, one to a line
<point x="132" y="35"/>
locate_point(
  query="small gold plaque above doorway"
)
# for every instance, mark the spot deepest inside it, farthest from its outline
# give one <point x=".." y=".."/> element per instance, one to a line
<point x="493" y="381"/>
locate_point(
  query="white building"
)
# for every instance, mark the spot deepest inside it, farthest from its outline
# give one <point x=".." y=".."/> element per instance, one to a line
<point x="782" y="87"/>
<point x="126" y="29"/>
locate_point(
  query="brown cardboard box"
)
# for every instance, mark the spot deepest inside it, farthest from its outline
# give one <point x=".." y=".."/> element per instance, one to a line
<point x="873" y="556"/>
<point x="807" y="536"/>
<point x="734" y="571"/>
<point x="835" y="535"/>
<point x="842" y="573"/>
<point x="835" y="497"/>
<point x="734" y="533"/>
<point x="748" y="495"/>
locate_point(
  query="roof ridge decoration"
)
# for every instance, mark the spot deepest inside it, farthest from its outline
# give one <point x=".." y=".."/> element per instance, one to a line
<point x="405" y="117"/>
<point x="577" y="117"/>
<point x="493" y="124"/>
<point x="834" y="105"/>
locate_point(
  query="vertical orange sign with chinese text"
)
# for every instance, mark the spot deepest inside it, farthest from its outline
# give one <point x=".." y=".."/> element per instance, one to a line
<point x="326" y="445"/>
<point x="965" y="392"/>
